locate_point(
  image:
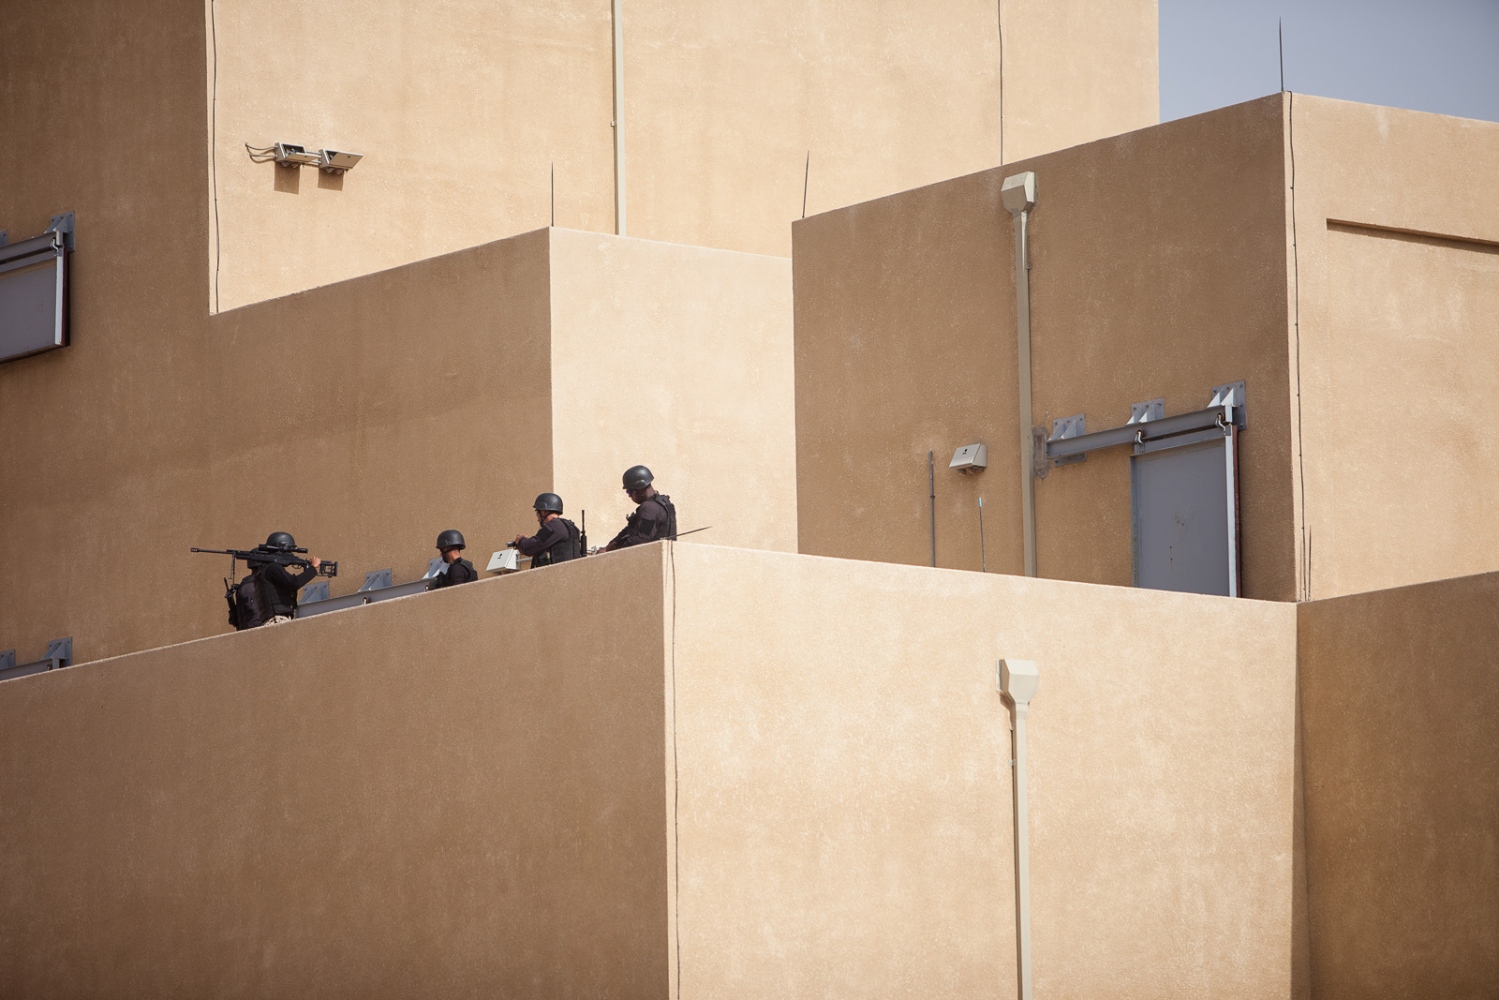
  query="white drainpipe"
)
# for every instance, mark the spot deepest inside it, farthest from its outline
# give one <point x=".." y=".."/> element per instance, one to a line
<point x="619" y="117"/>
<point x="1018" y="680"/>
<point x="1019" y="196"/>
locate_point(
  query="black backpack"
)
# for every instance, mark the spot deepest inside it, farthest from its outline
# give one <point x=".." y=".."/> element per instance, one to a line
<point x="247" y="607"/>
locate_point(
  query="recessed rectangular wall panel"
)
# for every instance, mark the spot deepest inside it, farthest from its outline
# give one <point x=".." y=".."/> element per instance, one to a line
<point x="33" y="296"/>
<point x="1184" y="518"/>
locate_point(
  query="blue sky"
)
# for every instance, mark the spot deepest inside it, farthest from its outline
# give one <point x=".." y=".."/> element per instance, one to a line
<point x="1428" y="55"/>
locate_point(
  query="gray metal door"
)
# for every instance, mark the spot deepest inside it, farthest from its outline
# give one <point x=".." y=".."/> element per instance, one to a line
<point x="1184" y="509"/>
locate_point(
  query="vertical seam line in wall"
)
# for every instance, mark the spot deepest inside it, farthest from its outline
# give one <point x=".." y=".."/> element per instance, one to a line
<point x="676" y="778"/>
<point x="213" y="149"/>
<point x="999" y="20"/>
<point x="1306" y="551"/>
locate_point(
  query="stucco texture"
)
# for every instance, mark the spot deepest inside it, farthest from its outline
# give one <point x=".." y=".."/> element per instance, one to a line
<point x="369" y="415"/>
<point x="1401" y="757"/>
<point x="905" y="339"/>
<point x="667" y="797"/>
<point x="842" y="812"/>
<point x="1341" y="259"/>
<point x="417" y="798"/>
<point x="678" y="358"/>
<point x="463" y="111"/>
<point x="1397" y="251"/>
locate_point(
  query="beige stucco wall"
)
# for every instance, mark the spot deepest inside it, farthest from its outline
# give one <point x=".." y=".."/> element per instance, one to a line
<point x="842" y="810"/>
<point x="1075" y="72"/>
<point x="409" y="799"/>
<point x="905" y="330"/>
<point x="1397" y="348"/>
<point x="678" y="358"/>
<point x="461" y="110"/>
<point x="364" y="418"/>
<point x="413" y="797"/>
<point x="1401" y="756"/>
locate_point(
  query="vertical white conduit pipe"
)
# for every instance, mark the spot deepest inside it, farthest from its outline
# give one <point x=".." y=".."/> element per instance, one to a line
<point x="1018" y="681"/>
<point x="619" y="117"/>
<point x="1019" y="196"/>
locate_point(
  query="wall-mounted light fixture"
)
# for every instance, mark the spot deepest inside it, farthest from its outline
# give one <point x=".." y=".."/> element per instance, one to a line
<point x="970" y="458"/>
<point x="289" y="154"/>
<point x="336" y="162"/>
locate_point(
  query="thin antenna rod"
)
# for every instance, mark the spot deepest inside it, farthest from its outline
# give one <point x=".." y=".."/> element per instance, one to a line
<point x="983" y="556"/>
<point x="931" y="482"/>
<point x="554" y="193"/>
<point x="1280" y="31"/>
<point x="806" y="176"/>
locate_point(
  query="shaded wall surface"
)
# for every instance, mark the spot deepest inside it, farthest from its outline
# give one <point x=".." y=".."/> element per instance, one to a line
<point x="1359" y="311"/>
<point x="1399" y="694"/>
<point x="363" y="417"/>
<point x="400" y="800"/>
<point x="407" y="798"/>
<point x="367" y="416"/>
<point x="905" y="332"/>
<point x="481" y="120"/>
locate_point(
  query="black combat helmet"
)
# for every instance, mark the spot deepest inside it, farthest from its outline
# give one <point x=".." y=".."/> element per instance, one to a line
<point x="280" y="541"/>
<point x="637" y="477"/>
<point x="549" y="502"/>
<point x="450" y="539"/>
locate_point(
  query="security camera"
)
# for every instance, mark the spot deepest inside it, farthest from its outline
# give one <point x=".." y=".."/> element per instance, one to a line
<point x="970" y="458"/>
<point x="333" y="161"/>
<point x="291" y="155"/>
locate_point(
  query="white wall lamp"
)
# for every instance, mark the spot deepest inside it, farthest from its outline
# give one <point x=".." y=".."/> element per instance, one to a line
<point x="970" y="458"/>
<point x="1018" y="681"/>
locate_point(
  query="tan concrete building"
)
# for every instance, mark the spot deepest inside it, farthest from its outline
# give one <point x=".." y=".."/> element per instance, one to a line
<point x="369" y="415"/>
<point x="1358" y="305"/>
<point x="736" y="771"/>
<point x="671" y="799"/>
<point x="731" y="116"/>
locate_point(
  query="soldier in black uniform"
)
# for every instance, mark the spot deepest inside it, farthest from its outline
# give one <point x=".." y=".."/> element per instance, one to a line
<point x="275" y="587"/>
<point x="655" y="517"/>
<point x="460" y="570"/>
<point x="556" y="540"/>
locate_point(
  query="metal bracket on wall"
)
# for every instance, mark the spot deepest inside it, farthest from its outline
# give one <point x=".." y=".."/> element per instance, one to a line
<point x="1149" y="429"/>
<point x="376" y="579"/>
<point x="4" y="237"/>
<point x="59" y="655"/>
<point x="435" y="567"/>
<point x="1039" y="465"/>
<point x="1232" y="394"/>
<point x="63" y="224"/>
<point x="1067" y="429"/>
<point x="314" y="592"/>
<point x="1151" y="409"/>
<point x="61" y="650"/>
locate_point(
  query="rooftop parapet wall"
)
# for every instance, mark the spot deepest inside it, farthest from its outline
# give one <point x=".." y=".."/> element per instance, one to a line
<point x="1397" y="244"/>
<point x="1399" y="694"/>
<point x="767" y="774"/>
<point x="367" y="416"/>
<point x="1165" y="262"/>
<point x="466" y="110"/>
<point x="423" y="801"/>
<point x="843" y="817"/>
